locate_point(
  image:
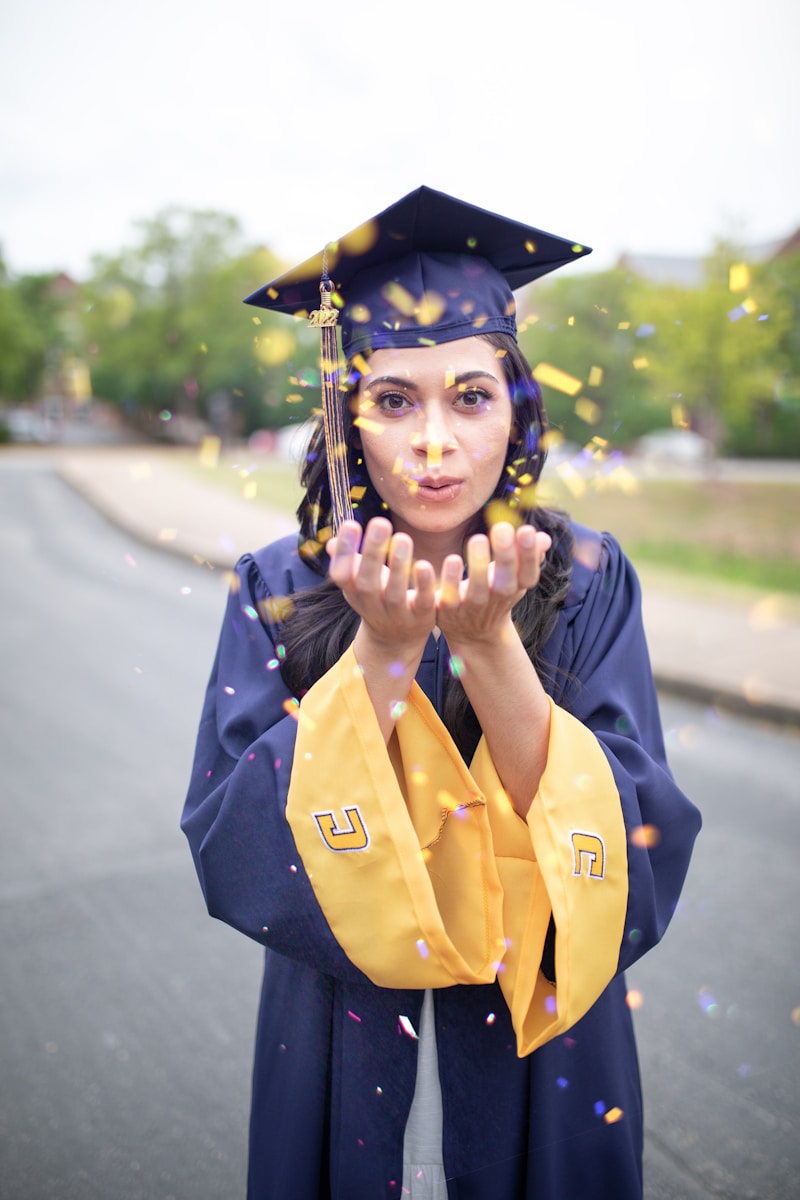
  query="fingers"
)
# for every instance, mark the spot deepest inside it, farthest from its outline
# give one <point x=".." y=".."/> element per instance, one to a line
<point x="343" y="553"/>
<point x="532" y="546"/>
<point x="374" y="552"/>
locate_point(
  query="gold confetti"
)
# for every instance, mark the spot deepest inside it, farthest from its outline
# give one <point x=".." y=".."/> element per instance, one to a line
<point x="645" y="836"/>
<point x="634" y="999"/>
<point x="550" y="376"/>
<point x="499" y="510"/>
<point x="357" y="492"/>
<point x="739" y="277"/>
<point x="367" y="425"/>
<point x="640" y="363"/>
<point x="770" y="612"/>
<point x="250" y="490"/>
<point x="588" y="411"/>
<point x="449" y="378"/>
<point x="360" y="240"/>
<point x="624" y="325"/>
<point x="275" y="608"/>
<point x="613" y="1115"/>
<point x="209" y="452"/>
<point x="595" y="376"/>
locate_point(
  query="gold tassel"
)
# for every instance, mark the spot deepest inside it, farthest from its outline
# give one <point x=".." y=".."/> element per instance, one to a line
<point x="324" y="318"/>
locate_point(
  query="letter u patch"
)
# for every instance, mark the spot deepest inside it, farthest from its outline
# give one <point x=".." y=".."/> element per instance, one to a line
<point x="589" y="855"/>
<point x="350" y="835"/>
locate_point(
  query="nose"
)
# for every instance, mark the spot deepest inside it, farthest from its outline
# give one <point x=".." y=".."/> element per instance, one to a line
<point x="436" y="438"/>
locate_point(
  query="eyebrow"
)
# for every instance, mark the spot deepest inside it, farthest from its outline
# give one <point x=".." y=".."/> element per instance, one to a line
<point x="410" y="385"/>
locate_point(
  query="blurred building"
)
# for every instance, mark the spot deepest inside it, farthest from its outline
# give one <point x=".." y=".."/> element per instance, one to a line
<point x="690" y="272"/>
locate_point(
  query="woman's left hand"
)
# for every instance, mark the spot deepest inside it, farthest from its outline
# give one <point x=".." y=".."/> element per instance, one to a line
<point x="500" y="569"/>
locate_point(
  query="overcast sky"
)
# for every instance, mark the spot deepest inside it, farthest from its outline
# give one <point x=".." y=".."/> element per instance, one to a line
<point x="646" y="126"/>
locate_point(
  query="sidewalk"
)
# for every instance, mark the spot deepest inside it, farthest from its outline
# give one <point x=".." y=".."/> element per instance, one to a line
<point x="739" y="652"/>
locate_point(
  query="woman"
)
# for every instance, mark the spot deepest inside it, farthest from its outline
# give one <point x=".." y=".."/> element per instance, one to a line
<point x="430" y="776"/>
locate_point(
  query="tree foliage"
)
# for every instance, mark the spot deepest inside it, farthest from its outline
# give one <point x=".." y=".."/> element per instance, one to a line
<point x="163" y="329"/>
<point x="722" y="358"/>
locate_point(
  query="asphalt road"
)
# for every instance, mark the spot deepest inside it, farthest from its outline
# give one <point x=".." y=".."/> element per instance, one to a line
<point x="126" y="1015"/>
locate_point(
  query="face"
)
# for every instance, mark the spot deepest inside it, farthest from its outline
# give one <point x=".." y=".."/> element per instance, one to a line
<point x="434" y="424"/>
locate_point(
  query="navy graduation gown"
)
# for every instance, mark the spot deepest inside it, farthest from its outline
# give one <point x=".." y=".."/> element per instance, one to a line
<point x="335" y="1067"/>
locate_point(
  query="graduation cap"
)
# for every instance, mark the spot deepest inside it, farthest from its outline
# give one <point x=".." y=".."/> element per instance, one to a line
<point x="428" y="269"/>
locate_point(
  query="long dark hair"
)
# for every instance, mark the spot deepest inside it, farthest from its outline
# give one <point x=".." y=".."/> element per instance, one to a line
<point x="322" y="624"/>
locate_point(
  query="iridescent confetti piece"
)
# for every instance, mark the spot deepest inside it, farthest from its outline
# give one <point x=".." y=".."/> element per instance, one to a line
<point x="707" y="1002"/>
<point x="229" y="691"/>
<point x="292" y="708"/>
<point x="396" y="709"/>
<point x="354" y="1016"/>
<point x="422" y="949"/>
<point x="167" y="535"/>
<point x="455" y="666"/>
<point x="634" y="999"/>
<point x="599" y="1108"/>
<point x="250" y="612"/>
<point x="490" y="1018"/>
<point x="130" y="560"/>
<point x="407" y="1028"/>
<point x="562" y="1082"/>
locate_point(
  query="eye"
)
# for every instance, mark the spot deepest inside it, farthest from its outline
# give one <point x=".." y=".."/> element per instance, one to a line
<point x="473" y="400"/>
<point x="394" y="402"/>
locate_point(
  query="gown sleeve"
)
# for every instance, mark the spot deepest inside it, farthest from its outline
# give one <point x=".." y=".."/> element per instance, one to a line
<point x="250" y="872"/>
<point x="612" y="693"/>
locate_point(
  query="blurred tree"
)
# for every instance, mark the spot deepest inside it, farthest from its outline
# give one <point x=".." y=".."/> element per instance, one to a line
<point x="35" y="332"/>
<point x="172" y="342"/>
<point x="639" y="356"/>
<point x="582" y="325"/>
<point x="714" y="352"/>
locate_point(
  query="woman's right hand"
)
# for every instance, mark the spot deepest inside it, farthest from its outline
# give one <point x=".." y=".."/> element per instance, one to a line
<point x="395" y="597"/>
<point x="396" y="600"/>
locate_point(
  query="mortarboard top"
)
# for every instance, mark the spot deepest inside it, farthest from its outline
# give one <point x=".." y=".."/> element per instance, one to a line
<point x="430" y="268"/>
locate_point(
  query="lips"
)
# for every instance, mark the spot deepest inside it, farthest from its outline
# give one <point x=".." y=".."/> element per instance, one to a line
<point x="438" y="490"/>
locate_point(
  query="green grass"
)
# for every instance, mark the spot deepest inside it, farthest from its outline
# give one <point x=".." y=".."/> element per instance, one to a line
<point x="740" y="534"/>
<point x="276" y="482"/>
